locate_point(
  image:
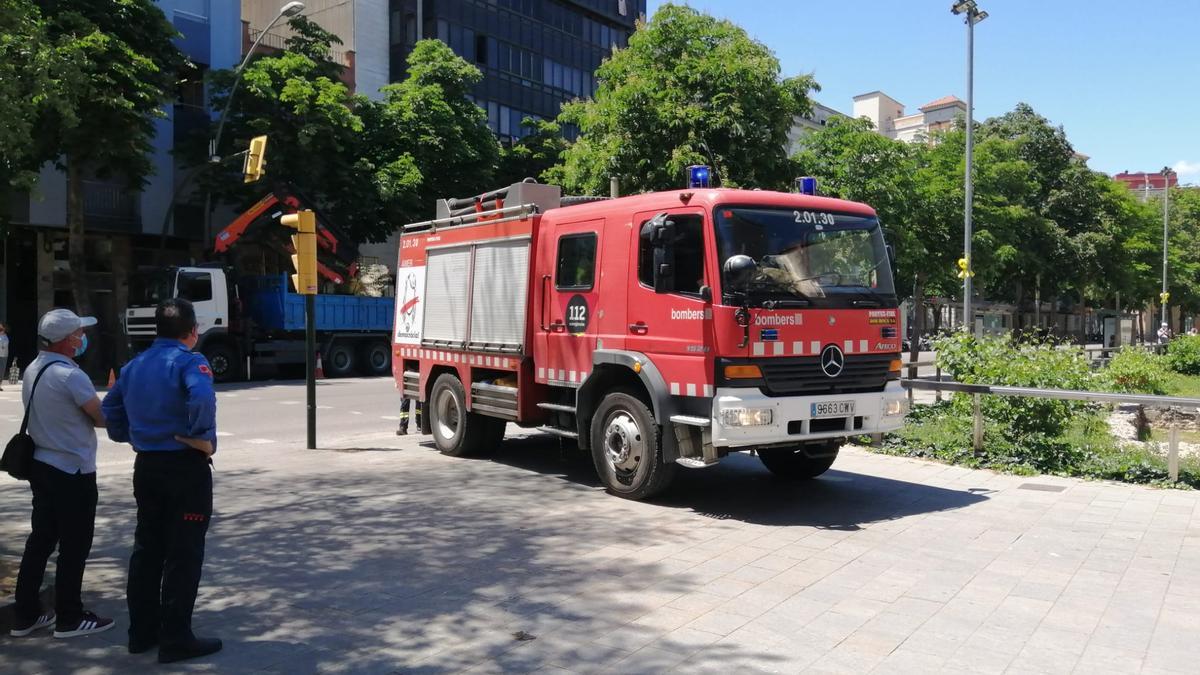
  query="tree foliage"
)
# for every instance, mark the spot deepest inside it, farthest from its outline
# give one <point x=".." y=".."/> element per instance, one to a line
<point x="124" y="67"/>
<point x="533" y="155"/>
<point x="689" y="89"/>
<point x="371" y="165"/>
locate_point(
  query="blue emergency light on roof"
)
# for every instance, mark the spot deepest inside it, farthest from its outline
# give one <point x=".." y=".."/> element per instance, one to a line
<point x="806" y="185"/>
<point x="698" y="176"/>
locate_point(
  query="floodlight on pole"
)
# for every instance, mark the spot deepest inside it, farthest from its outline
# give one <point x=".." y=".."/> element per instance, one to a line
<point x="973" y="15"/>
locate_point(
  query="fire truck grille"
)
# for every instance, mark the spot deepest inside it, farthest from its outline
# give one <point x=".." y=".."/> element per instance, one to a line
<point x="861" y="374"/>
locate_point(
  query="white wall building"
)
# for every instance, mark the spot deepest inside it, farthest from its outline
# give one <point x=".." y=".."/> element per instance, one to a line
<point x="889" y="118"/>
<point x="802" y="124"/>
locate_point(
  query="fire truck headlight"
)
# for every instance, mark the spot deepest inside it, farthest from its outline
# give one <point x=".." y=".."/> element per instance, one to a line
<point x="896" y="406"/>
<point x="746" y="417"/>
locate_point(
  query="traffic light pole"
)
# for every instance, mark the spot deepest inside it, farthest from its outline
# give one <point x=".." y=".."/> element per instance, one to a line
<point x="310" y="362"/>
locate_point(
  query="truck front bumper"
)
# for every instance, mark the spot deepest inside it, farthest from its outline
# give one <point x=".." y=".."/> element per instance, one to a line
<point x="792" y="419"/>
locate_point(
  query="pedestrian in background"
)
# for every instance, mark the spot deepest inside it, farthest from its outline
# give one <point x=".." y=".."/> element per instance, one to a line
<point x="3" y="354"/>
<point x="64" y="412"/>
<point x="163" y="404"/>
<point x="1164" y="333"/>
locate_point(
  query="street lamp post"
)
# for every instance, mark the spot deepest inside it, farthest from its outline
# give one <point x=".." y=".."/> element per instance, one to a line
<point x="973" y="15"/>
<point x="289" y="10"/>
<point x="1166" y="172"/>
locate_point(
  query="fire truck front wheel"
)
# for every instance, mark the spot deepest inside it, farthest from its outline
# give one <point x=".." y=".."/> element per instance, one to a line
<point x="626" y="447"/>
<point x="456" y="432"/>
<point x="800" y="463"/>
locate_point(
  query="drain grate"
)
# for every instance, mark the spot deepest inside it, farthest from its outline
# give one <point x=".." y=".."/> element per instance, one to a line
<point x="1041" y="487"/>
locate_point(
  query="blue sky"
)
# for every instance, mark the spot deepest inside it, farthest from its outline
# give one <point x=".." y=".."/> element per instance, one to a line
<point x="1123" y="78"/>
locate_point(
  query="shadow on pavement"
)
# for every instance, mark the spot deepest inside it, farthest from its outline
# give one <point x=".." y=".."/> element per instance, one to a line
<point x="740" y="488"/>
<point x="424" y="566"/>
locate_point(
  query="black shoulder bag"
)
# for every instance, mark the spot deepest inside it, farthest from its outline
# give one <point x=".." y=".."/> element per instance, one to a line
<point x="18" y="454"/>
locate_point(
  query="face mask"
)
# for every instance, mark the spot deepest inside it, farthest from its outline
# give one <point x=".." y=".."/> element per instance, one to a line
<point x="82" y="346"/>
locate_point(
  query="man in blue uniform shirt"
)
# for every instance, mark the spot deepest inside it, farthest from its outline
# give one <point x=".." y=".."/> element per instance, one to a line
<point x="164" y="405"/>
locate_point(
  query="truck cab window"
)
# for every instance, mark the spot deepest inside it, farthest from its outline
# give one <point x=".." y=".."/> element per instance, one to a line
<point x="576" y="262"/>
<point x="689" y="255"/>
<point x="195" y="286"/>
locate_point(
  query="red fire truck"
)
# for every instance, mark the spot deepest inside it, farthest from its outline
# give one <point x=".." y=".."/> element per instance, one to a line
<point x="656" y="331"/>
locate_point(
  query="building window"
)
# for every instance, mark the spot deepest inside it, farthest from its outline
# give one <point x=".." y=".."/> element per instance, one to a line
<point x="688" y="263"/>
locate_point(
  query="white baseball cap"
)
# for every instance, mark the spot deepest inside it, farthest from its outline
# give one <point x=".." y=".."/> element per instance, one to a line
<point x="58" y="324"/>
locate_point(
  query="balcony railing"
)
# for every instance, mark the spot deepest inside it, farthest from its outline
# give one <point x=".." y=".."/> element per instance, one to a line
<point x="111" y="206"/>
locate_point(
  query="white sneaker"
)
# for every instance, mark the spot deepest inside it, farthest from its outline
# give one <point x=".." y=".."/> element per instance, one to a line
<point x="38" y="624"/>
<point x="90" y="623"/>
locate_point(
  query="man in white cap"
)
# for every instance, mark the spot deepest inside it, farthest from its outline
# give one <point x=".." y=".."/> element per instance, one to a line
<point x="64" y="412"/>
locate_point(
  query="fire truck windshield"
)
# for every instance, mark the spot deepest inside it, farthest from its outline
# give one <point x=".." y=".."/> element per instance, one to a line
<point x="806" y="257"/>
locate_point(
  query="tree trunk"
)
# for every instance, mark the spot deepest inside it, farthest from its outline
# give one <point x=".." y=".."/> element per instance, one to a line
<point x="1019" y="319"/>
<point x="76" y="245"/>
<point x="918" y="323"/>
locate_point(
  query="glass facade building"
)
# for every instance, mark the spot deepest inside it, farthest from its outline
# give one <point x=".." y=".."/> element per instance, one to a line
<point x="535" y="55"/>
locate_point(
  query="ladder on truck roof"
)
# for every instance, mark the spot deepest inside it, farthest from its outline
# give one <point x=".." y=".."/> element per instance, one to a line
<point x="515" y="202"/>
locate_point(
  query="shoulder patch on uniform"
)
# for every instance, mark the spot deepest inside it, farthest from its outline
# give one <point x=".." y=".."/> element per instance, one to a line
<point x="205" y="369"/>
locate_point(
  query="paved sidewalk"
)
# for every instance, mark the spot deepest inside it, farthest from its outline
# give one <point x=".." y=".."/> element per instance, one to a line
<point x="388" y="557"/>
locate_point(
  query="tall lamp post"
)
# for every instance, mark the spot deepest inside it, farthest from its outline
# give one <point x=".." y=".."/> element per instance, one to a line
<point x="1166" y="172"/>
<point x="289" y="10"/>
<point x="973" y="15"/>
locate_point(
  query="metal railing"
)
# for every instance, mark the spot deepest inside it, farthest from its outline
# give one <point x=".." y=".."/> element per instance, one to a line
<point x="978" y="390"/>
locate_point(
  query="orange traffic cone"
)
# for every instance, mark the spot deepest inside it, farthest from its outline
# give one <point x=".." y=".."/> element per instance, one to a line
<point x="112" y="378"/>
<point x="320" y="374"/>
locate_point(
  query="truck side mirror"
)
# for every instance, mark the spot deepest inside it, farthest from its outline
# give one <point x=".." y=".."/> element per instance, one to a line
<point x="739" y="270"/>
<point x="660" y="232"/>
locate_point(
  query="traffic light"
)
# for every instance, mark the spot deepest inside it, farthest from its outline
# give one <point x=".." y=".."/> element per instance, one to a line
<point x="304" y="242"/>
<point x="255" y="166"/>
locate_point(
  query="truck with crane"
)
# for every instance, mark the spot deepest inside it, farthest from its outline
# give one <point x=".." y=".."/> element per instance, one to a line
<point x="253" y="323"/>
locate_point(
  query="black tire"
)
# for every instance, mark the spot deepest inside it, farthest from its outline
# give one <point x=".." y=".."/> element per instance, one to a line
<point x="339" y="362"/>
<point x="802" y="462"/>
<point x="627" y="448"/>
<point x="375" y="359"/>
<point x="456" y="432"/>
<point x="222" y="360"/>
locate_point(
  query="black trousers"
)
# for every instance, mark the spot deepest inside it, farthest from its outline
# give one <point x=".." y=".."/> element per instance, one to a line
<point x="174" y="504"/>
<point x="64" y="516"/>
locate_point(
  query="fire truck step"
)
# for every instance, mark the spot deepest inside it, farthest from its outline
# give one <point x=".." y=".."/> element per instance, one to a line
<point x="691" y="420"/>
<point x="565" y="433"/>
<point x="557" y="407"/>
<point x="693" y="463"/>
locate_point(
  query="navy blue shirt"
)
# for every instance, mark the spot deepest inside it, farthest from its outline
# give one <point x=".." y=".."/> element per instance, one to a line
<point x="164" y="392"/>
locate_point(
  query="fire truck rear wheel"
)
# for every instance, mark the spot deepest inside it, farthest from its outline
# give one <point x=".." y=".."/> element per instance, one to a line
<point x="626" y="447"/>
<point x="456" y="432"/>
<point x="799" y="463"/>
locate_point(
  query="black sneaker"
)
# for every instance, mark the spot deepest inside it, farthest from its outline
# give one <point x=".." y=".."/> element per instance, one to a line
<point x="88" y="624"/>
<point x="37" y="624"/>
<point x="196" y="648"/>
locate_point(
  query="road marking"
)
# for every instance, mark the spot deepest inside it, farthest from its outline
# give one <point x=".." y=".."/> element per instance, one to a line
<point x="260" y="441"/>
<point x="324" y="407"/>
<point x="392" y="418"/>
<point x="355" y="412"/>
<point x="224" y="434"/>
<point x="289" y="403"/>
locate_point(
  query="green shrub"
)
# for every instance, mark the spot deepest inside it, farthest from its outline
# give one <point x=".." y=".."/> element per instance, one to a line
<point x="1183" y="354"/>
<point x="1136" y="371"/>
<point x="999" y="361"/>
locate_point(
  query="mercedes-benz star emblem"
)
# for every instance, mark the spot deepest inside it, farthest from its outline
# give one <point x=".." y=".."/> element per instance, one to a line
<point x="832" y="361"/>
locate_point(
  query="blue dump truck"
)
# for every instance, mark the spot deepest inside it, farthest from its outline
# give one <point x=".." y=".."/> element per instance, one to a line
<point x="251" y="325"/>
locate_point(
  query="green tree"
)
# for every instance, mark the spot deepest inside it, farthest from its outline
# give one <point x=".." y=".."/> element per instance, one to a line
<point x="34" y="79"/>
<point x="429" y="117"/>
<point x="687" y="82"/>
<point x="126" y="65"/>
<point x="371" y="165"/>
<point x="317" y="138"/>
<point x="532" y="156"/>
